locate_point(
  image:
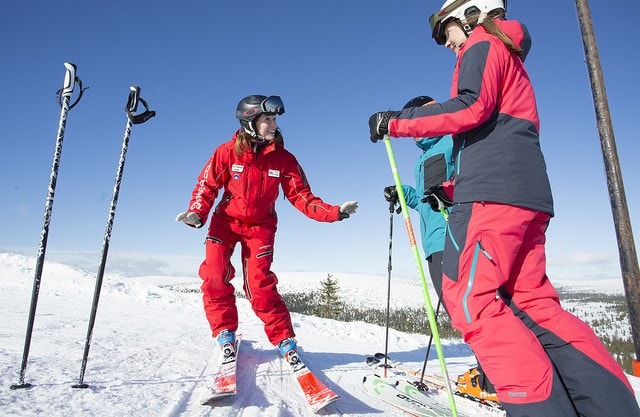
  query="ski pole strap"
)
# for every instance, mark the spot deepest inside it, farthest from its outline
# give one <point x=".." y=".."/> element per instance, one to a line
<point x="392" y="207"/>
<point x="70" y="80"/>
<point x="132" y="107"/>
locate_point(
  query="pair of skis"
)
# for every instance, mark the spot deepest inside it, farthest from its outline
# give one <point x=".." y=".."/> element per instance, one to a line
<point x="401" y="394"/>
<point x="432" y="389"/>
<point x="316" y="393"/>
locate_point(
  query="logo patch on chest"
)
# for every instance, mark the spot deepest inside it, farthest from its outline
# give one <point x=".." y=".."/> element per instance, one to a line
<point x="274" y="173"/>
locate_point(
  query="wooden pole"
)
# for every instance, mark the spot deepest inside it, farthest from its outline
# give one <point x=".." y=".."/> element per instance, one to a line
<point x="624" y="234"/>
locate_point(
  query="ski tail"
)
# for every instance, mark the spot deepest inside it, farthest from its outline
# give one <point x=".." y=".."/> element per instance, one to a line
<point x="224" y="379"/>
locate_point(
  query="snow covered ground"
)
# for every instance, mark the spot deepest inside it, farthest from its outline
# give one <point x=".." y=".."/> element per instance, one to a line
<point x="151" y="352"/>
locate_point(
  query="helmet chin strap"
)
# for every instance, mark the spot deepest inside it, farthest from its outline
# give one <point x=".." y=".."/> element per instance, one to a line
<point x="257" y="140"/>
<point x="250" y="130"/>
<point x="260" y="139"/>
<point x="258" y="143"/>
<point x="466" y="26"/>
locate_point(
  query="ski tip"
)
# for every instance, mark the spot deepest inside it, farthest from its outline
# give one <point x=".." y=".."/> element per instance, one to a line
<point x="319" y="406"/>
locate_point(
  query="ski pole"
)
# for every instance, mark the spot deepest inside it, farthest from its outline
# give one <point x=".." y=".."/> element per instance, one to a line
<point x="132" y="118"/>
<point x="389" y="267"/>
<point x="445" y="215"/>
<point x="425" y="289"/>
<point x="64" y="98"/>
<point x="426" y="357"/>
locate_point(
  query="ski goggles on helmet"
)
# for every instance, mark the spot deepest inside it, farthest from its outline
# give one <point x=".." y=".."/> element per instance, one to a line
<point x="437" y="24"/>
<point x="272" y="104"/>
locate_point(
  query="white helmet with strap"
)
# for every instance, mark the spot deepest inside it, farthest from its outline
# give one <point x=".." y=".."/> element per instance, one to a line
<point x="461" y="10"/>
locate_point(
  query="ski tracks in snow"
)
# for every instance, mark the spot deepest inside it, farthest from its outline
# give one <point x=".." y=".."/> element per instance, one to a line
<point x="188" y="397"/>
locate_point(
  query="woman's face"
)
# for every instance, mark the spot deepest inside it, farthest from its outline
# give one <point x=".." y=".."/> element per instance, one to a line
<point x="266" y="126"/>
<point x="455" y="36"/>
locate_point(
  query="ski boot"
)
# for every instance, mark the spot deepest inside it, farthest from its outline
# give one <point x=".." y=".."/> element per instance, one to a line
<point x="289" y="351"/>
<point x="471" y="385"/>
<point x="227" y="342"/>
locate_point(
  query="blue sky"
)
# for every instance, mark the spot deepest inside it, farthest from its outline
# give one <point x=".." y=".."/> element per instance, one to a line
<point x="333" y="63"/>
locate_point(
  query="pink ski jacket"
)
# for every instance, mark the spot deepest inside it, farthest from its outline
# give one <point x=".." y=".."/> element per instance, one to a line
<point x="493" y="117"/>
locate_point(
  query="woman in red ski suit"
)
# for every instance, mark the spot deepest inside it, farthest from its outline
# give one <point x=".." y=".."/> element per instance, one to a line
<point x="250" y="169"/>
<point x="542" y="360"/>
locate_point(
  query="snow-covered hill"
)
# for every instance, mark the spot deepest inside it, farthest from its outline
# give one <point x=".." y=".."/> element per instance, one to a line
<point x="151" y="351"/>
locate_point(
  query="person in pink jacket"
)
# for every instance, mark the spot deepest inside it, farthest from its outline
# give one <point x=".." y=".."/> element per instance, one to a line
<point x="542" y="360"/>
<point x="249" y="170"/>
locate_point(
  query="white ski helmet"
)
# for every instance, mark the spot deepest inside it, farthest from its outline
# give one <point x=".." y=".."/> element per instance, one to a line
<point x="461" y="10"/>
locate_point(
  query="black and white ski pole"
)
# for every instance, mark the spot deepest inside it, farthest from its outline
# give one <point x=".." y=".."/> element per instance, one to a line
<point x="64" y="98"/>
<point x="445" y="214"/>
<point x="420" y="384"/>
<point x="389" y="267"/>
<point x="132" y="119"/>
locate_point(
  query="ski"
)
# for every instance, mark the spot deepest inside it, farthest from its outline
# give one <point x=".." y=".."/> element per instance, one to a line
<point x="433" y="382"/>
<point x="404" y="396"/>
<point x="315" y="392"/>
<point x="224" y="379"/>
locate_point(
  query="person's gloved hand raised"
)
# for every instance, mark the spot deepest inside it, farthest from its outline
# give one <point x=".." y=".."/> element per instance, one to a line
<point x="347" y="209"/>
<point x="379" y="124"/>
<point x="190" y="219"/>
<point x="391" y="194"/>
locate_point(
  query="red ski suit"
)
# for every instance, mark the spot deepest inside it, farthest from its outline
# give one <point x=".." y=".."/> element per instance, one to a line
<point x="246" y="214"/>
<point x="542" y="360"/>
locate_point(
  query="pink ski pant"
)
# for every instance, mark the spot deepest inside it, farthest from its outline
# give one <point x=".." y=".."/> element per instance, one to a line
<point x="541" y="359"/>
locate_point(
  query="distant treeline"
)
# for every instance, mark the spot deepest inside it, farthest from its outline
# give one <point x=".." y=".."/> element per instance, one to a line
<point x="326" y="302"/>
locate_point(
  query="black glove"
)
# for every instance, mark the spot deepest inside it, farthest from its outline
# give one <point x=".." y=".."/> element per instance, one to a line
<point x="390" y="194"/>
<point x="379" y="124"/>
<point x="437" y="198"/>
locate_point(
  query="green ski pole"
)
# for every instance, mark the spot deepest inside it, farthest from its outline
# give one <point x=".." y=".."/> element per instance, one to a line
<point x="425" y="289"/>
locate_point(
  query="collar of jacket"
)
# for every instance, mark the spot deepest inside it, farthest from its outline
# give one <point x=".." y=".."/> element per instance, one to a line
<point x="426" y="143"/>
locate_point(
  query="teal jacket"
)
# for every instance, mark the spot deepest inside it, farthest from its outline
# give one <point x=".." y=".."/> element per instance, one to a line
<point x="434" y="166"/>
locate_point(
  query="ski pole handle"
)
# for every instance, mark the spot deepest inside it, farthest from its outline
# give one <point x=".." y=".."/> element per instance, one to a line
<point x="132" y="107"/>
<point x="70" y="80"/>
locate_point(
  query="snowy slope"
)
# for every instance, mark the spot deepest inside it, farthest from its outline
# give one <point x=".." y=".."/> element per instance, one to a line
<point x="151" y="352"/>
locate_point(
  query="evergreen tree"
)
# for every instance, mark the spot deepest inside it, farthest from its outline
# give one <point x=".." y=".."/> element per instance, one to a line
<point x="329" y="305"/>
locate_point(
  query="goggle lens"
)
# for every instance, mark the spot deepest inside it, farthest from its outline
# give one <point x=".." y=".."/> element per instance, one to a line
<point x="437" y="29"/>
<point x="272" y="104"/>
